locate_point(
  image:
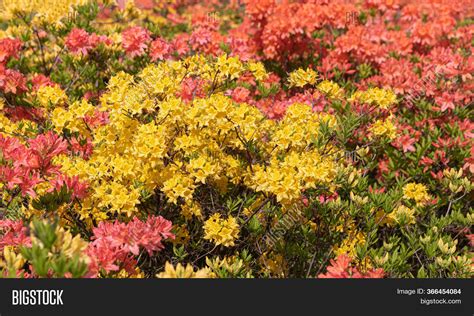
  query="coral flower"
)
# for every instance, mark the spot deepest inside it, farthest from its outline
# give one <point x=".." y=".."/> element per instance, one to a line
<point x="135" y="40"/>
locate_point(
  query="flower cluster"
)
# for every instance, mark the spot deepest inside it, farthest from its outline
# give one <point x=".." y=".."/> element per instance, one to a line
<point x="340" y="268"/>
<point x="221" y="231"/>
<point x="113" y="243"/>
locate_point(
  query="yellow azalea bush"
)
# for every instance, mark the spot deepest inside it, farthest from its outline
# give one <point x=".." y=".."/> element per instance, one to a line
<point x="155" y="141"/>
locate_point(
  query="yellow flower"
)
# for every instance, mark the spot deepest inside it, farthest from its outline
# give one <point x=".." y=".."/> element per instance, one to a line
<point x="51" y="96"/>
<point x="274" y="264"/>
<point x="181" y="235"/>
<point x="384" y="128"/>
<point x="181" y="272"/>
<point x="402" y="215"/>
<point x="221" y="231"/>
<point x="417" y="192"/>
<point x="11" y="260"/>
<point x="48" y="11"/>
<point x="301" y="77"/>
<point x="447" y="248"/>
<point x="179" y="186"/>
<point x="375" y="96"/>
<point x="229" y="66"/>
<point x="61" y="118"/>
<point x="190" y="209"/>
<point x="331" y="89"/>
<point x="233" y="266"/>
<point x="124" y="274"/>
<point x="348" y="245"/>
<point x="258" y="70"/>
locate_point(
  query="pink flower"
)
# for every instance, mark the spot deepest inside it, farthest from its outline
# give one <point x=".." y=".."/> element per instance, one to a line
<point x="470" y="237"/>
<point x="102" y="256"/>
<point x="341" y="268"/>
<point x="135" y="40"/>
<point x="9" y="176"/>
<point x="12" y="81"/>
<point x="99" y="118"/>
<point x="77" y="188"/>
<point x="78" y="41"/>
<point x="9" y="48"/>
<point x="136" y="233"/>
<point x="28" y="182"/>
<point x="305" y="201"/>
<point x="11" y="147"/>
<point x="42" y="150"/>
<point x="445" y="101"/>
<point x="13" y="233"/>
<point x="30" y="164"/>
<point x="192" y="88"/>
<point x="48" y="145"/>
<point x="338" y="268"/>
<point x="180" y="44"/>
<point x="81" y="147"/>
<point x="405" y="142"/>
<point x="323" y="199"/>
<point x="95" y="40"/>
<point x="377" y="191"/>
<point x="240" y="94"/>
<point x="200" y="37"/>
<point x="160" y="50"/>
<point x="469" y="164"/>
<point x="41" y="80"/>
<point x="114" y="243"/>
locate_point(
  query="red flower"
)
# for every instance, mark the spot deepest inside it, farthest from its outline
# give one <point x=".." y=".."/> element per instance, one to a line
<point x="180" y="44"/>
<point x="200" y="37"/>
<point x="337" y="268"/>
<point x="77" y="188"/>
<point x="192" y="88"/>
<point x="99" y="118"/>
<point x="42" y="150"/>
<point x="341" y="268"/>
<point x="425" y="33"/>
<point x="469" y="164"/>
<point x="78" y="41"/>
<point x="445" y="101"/>
<point x="41" y="80"/>
<point x="377" y="191"/>
<point x="240" y="94"/>
<point x="323" y="199"/>
<point x="95" y="40"/>
<point x="405" y="142"/>
<point x="160" y="50"/>
<point x="11" y="81"/>
<point x="113" y="243"/>
<point x="48" y="145"/>
<point x="28" y="182"/>
<point x="13" y="233"/>
<point x="9" y="48"/>
<point x="81" y="147"/>
<point x="9" y="176"/>
<point x="135" y="40"/>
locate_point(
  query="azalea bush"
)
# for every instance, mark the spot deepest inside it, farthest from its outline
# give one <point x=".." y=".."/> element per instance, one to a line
<point x="236" y="139"/>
